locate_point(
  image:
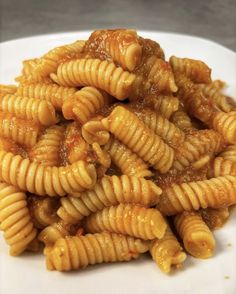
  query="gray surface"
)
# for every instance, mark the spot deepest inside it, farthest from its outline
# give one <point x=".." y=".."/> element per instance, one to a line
<point x="212" y="19"/>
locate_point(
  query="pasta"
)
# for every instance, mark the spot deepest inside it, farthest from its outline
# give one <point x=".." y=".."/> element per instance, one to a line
<point x="42" y="180"/>
<point x="167" y="251"/>
<point x="124" y="124"/>
<point x="94" y="72"/>
<point x="43" y="211"/>
<point x="109" y="191"/>
<point x="21" y="131"/>
<point x="222" y="167"/>
<point x="47" y="149"/>
<point x="196" y="70"/>
<point x="122" y="46"/>
<point x="84" y="104"/>
<point x="79" y="252"/>
<point x="162" y="127"/>
<point x="197" y="238"/>
<point x="229" y="153"/>
<point x="128" y="162"/>
<point x="94" y="132"/>
<point x="105" y="147"/>
<point x="165" y="105"/>
<point x="39" y="111"/>
<point x="128" y="219"/>
<point x="15" y="219"/>
<point x="215" y="218"/>
<point x="50" y="92"/>
<point x="215" y="193"/>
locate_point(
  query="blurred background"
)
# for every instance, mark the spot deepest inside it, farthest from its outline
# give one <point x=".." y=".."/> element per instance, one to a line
<point x="212" y="19"/>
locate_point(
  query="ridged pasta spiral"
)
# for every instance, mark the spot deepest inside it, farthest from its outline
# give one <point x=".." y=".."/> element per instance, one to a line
<point x="74" y="146"/>
<point x="46" y="180"/>
<point x="215" y="218"/>
<point x="181" y="120"/>
<point x="165" y="105"/>
<point x="43" y="210"/>
<point x="167" y="252"/>
<point x="49" y="62"/>
<point x="52" y="93"/>
<point x="39" y="111"/>
<point x="127" y="161"/>
<point x="225" y="124"/>
<point x="159" y="75"/>
<point x="47" y="149"/>
<point x="195" y="146"/>
<point x="94" y="72"/>
<point x="197" y="238"/>
<point x="222" y="167"/>
<point x="7" y="89"/>
<point x="94" y="132"/>
<point x="73" y="253"/>
<point x="15" y="219"/>
<point x="120" y="45"/>
<point x="162" y="127"/>
<point x="53" y="232"/>
<point x="214" y="94"/>
<point x="131" y="131"/>
<point x="21" y="131"/>
<point x="196" y="70"/>
<point x="109" y="191"/>
<point x="214" y="193"/>
<point x="84" y="104"/>
<point x="128" y="219"/>
<point x="229" y="153"/>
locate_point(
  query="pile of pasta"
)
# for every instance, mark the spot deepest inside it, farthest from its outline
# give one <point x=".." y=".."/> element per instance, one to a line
<point x="108" y="151"/>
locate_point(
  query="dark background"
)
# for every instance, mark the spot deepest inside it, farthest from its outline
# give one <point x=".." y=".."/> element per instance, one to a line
<point x="212" y="19"/>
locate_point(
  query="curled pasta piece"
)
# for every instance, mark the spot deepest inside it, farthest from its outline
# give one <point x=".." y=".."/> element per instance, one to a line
<point x="128" y="219"/>
<point x="102" y="158"/>
<point x="73" y="253"/>
<point x="215" y="218"/>
<point x="49" y="62"/>
<point x="15" y="219"/>
<point x="167" y="252"/>
<point x="74" y="146"/>
<point x="43" y="211"/>
<point x="46" y="180"/>
<point x="131" y="131"/>
<point x="47" y="149"/>
<point x="109" y="191"/>
<point x="7" y="89"/>
<point x="195" y="146"/>
<point x="181" y="120"/>
<point x="53" y="232"/>
<point x="120" y="45"/>
<point x="127" y="161"/>
<point x="229" y="153"/>
<point x="84" y="104"/>
<point x="39" y="111"/>
<point x="196" y="70"/>
<point x="52" y="93"/>
<point x="165" y="105"/>
<point x="225" y="124"/>
<point x="214" y="193"/>
<point x="197" y="238"/>
<point x="162" y="127"/>
<point x="213" y="93"/>
<point x="94" y="132"/>
<point x="94" y="72"/>
<point x="222" y="167"/>
<point x="201" y="162"/>
<point x="21" y="131"/>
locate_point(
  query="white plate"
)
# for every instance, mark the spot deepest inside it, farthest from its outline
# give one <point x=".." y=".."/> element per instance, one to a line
<point x="27" y="273"/>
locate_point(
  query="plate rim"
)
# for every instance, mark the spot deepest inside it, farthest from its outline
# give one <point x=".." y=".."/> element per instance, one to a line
<point x="206" y="40"/>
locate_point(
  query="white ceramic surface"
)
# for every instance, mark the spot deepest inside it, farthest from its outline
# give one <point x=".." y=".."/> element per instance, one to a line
<point x="27" y="273"/>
